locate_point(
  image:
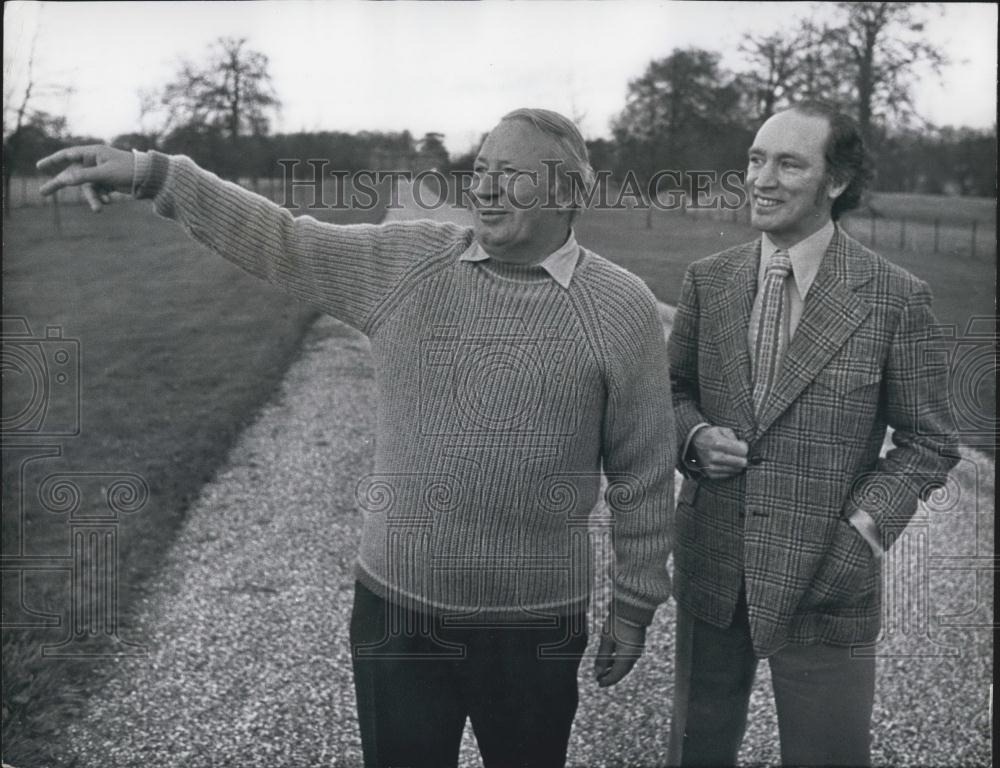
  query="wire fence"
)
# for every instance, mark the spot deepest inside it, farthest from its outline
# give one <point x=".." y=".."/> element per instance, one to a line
<point x="972" y="238"/>
<point x="967" y="238"/>
<point x="961" y="237"/>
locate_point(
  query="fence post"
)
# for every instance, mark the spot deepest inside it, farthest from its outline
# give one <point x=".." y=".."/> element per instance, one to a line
<point x="937" y="230"/>
<point x="974" y="226"/>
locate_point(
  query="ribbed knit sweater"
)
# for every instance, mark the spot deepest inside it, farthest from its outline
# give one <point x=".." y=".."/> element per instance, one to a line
<point x="501" y="397"/>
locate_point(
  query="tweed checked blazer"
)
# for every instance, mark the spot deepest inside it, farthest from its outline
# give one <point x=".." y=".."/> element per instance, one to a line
<point x="854" y="366"/>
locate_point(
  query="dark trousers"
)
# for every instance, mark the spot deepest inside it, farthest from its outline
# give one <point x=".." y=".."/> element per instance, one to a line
<point x="418" y="677"/>
<point x="822" y="694"/>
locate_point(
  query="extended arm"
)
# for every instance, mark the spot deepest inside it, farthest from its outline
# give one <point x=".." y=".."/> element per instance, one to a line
<point x="347" y="271"/>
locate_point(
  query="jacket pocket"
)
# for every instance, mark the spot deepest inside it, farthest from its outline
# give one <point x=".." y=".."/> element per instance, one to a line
<point x="847" y="379"/>
<point x="848" y="573"/>
<point x="845" y="399"/>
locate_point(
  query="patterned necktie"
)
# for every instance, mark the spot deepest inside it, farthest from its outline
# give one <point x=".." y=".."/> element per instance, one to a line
<point x="771" y="338"/>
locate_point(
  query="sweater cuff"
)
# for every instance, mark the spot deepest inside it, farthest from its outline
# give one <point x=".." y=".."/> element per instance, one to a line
<point x="631" y="613"/>
<point x="140" y="169"/>
<point x="149" y="174"/>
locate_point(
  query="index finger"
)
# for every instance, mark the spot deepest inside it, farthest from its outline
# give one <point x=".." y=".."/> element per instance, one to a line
<point x="723" y="460"/>
<point x="604" y="658"/>
<point x="734" y="447"/>
<point x="67" y="155"/>
<point x="72" y="176"/>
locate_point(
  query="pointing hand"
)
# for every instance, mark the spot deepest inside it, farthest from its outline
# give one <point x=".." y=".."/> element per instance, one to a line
<point x="97" y="169"/>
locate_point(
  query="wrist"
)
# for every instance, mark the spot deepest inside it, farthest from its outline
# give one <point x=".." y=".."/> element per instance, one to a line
<point x="865" y="525"/>
<point x="140" y="170"/>
<point x="626" y="612"/>
<point x="689" y="456"/>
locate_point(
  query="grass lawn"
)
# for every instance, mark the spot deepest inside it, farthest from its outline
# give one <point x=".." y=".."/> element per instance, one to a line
<point x="930" y="207"/>
<point x="659" y="255"/>
<point x="177" y="349"/>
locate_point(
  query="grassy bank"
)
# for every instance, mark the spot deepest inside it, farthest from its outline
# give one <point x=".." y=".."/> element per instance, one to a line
<point x="177" y="349"/>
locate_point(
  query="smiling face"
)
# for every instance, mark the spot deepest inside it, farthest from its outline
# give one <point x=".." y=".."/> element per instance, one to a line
<point x="510" y="186"/>
<point x="790" y="190"/>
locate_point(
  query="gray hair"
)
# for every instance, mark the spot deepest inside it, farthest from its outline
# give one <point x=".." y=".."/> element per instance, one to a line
<point x="573" y="150"/>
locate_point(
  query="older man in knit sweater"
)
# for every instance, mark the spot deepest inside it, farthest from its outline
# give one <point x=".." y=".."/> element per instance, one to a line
<point x="513" y="366"/>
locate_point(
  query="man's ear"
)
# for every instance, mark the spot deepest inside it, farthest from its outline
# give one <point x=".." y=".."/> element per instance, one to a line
<point x="834" y="188"/>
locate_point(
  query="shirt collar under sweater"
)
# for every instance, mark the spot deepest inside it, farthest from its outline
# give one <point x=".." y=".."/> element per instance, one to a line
<point x="560" y="264"/>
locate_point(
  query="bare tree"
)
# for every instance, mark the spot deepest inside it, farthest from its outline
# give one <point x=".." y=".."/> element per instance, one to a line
<point x="773" y="59"/>
<point x="12" y="140"/>
<point x="24" y="125"/>
<point x="231" y="96"/>
<point x="786" y="67"/>
<point x="877" y="47"/>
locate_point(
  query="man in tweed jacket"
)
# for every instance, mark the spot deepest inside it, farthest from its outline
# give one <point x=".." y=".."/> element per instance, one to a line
<point x="787" y="507"/>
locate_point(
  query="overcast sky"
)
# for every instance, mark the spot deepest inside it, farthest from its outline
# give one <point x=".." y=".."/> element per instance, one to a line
<point x="448" y="67"/>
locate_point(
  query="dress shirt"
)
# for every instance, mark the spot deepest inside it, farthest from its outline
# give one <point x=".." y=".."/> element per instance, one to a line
<point x="806" y="256"/>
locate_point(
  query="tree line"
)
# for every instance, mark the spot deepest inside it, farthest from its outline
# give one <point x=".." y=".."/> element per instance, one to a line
<point x="684" y="113"/>
<point x="686" y="110"/>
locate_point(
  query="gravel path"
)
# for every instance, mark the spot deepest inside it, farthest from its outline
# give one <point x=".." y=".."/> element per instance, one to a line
<point x="246" y="627"/>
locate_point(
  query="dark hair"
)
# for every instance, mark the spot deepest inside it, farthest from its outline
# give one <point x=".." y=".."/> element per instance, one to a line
<point x="847" y="158"/>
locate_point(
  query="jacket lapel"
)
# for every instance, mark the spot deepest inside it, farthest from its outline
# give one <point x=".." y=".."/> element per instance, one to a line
<point x="832" y="312"/>
<point x="730" y="314"/>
